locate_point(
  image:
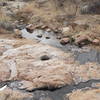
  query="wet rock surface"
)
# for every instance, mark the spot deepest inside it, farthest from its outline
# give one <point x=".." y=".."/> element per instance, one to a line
<point x="86" y="72"/>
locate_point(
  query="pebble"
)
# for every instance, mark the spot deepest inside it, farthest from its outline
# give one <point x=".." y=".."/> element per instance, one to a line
<point x="64" y="41"/>
<point x="96" y="42"/>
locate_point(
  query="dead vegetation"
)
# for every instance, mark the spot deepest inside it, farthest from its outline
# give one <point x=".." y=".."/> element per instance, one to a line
<point x="5" y="24"/>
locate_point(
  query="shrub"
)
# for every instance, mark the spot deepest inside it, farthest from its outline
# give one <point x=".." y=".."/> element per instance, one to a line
<point x="5" y="23"/>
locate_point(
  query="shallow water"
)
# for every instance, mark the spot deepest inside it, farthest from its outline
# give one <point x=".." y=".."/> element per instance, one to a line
<point x="83" y="55"/>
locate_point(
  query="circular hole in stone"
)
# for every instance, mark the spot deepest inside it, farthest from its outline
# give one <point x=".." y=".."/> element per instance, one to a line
<point x="44" y="57"/>
<point x="47" y="37"/>
<point x="39" y="36"/>
<point x="29" y="30"/>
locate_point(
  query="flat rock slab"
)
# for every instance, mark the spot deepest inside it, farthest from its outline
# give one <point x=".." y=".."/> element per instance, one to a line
<point x="9" y="94"/>
<point x="87" y="72"/>
<point x="91" y="94"/>
<point x="27" y="63"/>
<point x="41" y="66"/>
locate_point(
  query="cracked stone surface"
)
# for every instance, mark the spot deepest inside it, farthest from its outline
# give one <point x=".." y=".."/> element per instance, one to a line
<point x="23" y="62"/>
<point x="90" y="94"/>
<point x="9" y="94"/>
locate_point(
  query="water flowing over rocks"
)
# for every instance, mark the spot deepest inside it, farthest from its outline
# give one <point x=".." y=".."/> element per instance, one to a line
<point x="9" y="94"/>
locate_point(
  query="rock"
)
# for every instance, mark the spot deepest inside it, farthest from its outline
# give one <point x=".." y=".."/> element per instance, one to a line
<point x="58" y="37"/>
<point x="66" y="31"/>
<point x="86" y="72"/>
<point x="41" y="1"/>
<point x="18" y="33"/>
<point x="6" y="44"/>
<point x="48" y="30"/>
<point x="64" y="41"/>
<point x="25" y="85"/>
<point x="13" y="93"/>
<point x="96" y="42"/>
<point x="9" y="94"/>
<point x="30" y="28"/>
<point x="44" y="26"/>
<point x="2" y="49"/>
<point x="82" y="40"/>
<point x="90" y="94"/>
<point x="28" y="63"/>
<point x="20" y="26"/>
<point x="38" y="65"/>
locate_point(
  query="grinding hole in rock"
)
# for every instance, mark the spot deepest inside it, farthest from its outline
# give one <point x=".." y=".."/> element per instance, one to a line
<point x="44" y="57"/>
<point x="39" y="36"/>
<point x="47" y="37"/>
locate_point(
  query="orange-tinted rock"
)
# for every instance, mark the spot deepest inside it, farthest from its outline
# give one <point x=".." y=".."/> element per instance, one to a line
<point x="92" y="94"/>
<point x="87" y="72"/>
<point x="40" y="65"/>
<point x="64" y="41"/>
<point x="30" y="28"/>
<point x="9" y="94"/>
<point x="25" y="63"/>
<point x="96" y="42"/>
<point x="17" y="33"/>
<point x="81" y="39"/>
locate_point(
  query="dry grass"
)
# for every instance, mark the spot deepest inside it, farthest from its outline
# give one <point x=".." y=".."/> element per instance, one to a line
<point x="36" y="14"/>
<point x="24" y="13"/>
<point x="49" y="13"/>
<point x="3" y="17"/>
<point x="5" y="24"/>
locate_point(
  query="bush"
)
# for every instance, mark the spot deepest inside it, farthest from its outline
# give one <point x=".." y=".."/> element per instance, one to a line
<point x="5" y="22"/>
